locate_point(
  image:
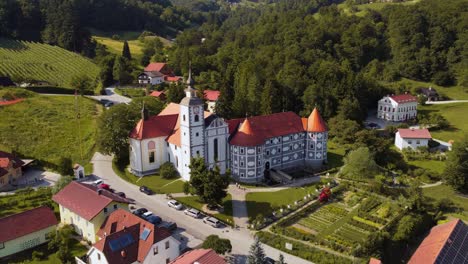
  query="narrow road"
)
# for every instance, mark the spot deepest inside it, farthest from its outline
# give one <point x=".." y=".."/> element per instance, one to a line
<point x="241" y="238"/>
<point x="112" y="96"/>
<point x="447" y="102"/>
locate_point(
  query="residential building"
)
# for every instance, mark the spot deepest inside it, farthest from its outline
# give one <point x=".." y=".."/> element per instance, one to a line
<point x="126" y="238"/>
<point x="397" y="108"/>
<point x="446" y="244"/>
<point x="161" y="95"/>
<point x="157" y="73"/>
<point x="211" y="97"/>
<point x="412" y="138"/>
<point x="150" y="78"/>
<point x="10" y="169"/>
<point x="430" y="93"/>
<point x="200" y="256"/>
<point x="26" y="230"/>
<point x="248" y="146"/>
<point x="85" y="207"/>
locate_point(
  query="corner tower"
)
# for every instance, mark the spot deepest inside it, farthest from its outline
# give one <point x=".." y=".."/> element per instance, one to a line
<point x="192" y="127"/>
<point x="316" y="142"/>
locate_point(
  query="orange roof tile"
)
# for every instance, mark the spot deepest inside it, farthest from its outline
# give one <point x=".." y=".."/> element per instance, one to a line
<point x="201" y="256"/>
<point x="211" y="95"/>
<point x="155" y="126"/>
<point x="155" y="66"/>
<point x="315" y="122"/>
<point x="414" y="133"/>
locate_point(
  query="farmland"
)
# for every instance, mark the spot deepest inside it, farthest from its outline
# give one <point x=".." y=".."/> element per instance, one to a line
<point x="24" y="60"/>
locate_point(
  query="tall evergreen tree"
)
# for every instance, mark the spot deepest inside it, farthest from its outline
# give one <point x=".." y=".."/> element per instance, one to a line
<point x="256" y="253"/>
<point x="224" y="104"/>
<point x="126" y="51"/>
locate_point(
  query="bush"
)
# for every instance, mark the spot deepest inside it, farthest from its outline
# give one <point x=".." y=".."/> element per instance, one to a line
<point x="167" y="171"/>
<point x="37" y="255"/>
<point x="444" y="78"/>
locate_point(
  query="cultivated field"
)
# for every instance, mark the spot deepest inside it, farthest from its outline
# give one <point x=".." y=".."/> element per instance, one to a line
<point x="42" y="62"/>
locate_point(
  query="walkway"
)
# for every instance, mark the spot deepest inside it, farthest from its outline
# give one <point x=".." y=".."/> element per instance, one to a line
<point x="112" y="96"/>
<point x="447" y="102"/>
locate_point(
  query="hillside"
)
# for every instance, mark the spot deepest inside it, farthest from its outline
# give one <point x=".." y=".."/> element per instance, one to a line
<point x="22" y="60"/>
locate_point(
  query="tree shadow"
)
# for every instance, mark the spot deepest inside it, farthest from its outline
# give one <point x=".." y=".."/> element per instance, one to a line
<point x="13" y="45"/>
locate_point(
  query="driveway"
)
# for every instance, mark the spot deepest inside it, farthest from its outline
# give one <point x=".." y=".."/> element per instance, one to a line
<point x="112" y="96"/>
<point x="241" y="238"/>
<point x="447" y="102"/>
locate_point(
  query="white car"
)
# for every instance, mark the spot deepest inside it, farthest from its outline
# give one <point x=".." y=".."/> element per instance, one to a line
<point x="175" y="204"/>
<point x="192" y="212"/>
<point x="97" y="182"/>
<point x="212" y="221"/>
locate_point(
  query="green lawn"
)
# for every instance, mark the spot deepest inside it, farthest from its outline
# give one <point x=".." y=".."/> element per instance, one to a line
<point x="131" y="92"/>
<point x="445" y="191"/>
<point x="335" y="154"/>
<point x="155" y="182"/>
<point x="116" y="46"/>
<point x="430" y="165"/>
<point x="43" y="62"/>
<point x="225" y="216"/>
<point x="45" y="128"/>
<point x="455" y="114"/>
<point x="452" y="92"/>
<point x="266" y="202"/>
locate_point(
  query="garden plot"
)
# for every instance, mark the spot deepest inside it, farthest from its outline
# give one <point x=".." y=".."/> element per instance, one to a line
<point x="321" y="219"/>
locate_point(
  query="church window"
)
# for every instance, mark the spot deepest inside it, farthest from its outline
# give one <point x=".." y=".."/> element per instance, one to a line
<point x="151" y="157"/>
<point x="215" y="148"/>
<point x="242" y="163"/>
<point x="279" y="150"/>
<point x="198" y="153"/>
<point x="151" y="145"/>
<point x="197" y="118"/>
<point x="242" y="175"/>
<point x="268" y="152"/>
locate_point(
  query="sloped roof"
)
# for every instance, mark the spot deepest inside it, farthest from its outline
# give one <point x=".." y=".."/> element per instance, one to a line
<point x="172" y="78"/>
<point x="157" y="93"/>
<point x="120" y="221"/>
<point x="211" y="95"/>
<point x="155" y="126"/>
<point x="404" y="98"/>
<point x="315" y="122"/>
<point x="84" y="200"/>
<point x="155" y="66"/>
<point x="446" y="243"/>
<point x="27" y="222"/>
<point x="414" y="133"/>
<point x="201" y="256"/>
<point x="6" y="159"/>
<point x="126" y="255"/>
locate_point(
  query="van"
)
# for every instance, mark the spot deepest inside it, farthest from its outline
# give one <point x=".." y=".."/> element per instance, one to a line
<point x="212" y="221"/>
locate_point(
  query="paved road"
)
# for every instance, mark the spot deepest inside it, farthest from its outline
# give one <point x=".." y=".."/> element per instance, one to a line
<point x="447" y="102"/>
<point x="241" y="239"/>
<point x="112" y="96"/>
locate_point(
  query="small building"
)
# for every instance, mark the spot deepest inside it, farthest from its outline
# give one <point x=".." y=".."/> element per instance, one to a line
<point x="10" y="169"/>
<point x="412" y="138"/>
<point x="161" y="67"/>
<point x="430" y="93"/>
<point x="78" y="171"/>
<point x="26" y="230"/>
<point x="161" y="95"/>
<point x="157" y="73"/>
<point x="211" y="97"/>
<point x="397" y="108"/>
<point x="200" y="256"/>
<point x="446" y="244"/>
<point x="126" y="238"/>
<point x="85" y="207"/>
<point x="6" y="81"/>
<point x="150" y="78"/>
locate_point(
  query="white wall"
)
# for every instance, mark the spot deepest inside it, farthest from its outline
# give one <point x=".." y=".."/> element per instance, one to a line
<point x="390" y="110"/>
<point x="162" y="253"/>
<point x="402" y="143"/>
<point x="96" y="257"/>
<point x="140" y="153"/>
<point x="156" y="80"/>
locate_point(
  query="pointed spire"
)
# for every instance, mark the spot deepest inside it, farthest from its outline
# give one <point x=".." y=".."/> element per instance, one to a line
<point x="190" y="81"/>
<point x="246" y="127"/>
<point x="315" y="122"/>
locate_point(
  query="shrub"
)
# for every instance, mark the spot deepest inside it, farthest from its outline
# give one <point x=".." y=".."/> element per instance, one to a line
<point x="167" y="171"/>
<point x="37" y="255"/>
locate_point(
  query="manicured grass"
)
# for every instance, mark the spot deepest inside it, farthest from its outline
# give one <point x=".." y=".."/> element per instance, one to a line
<point x="453" y="92"/>
<point x="155" y="182"/>
<point x="42" y="62"/>
<point x="455" y="114"/>
<point x="445" y="191"/>
<point x="266" y="202"/>
<point x="436" y="166"/>
<point x="116" y="46"/>
<point x="45" y="128"/>
<point x="225" y="216"/>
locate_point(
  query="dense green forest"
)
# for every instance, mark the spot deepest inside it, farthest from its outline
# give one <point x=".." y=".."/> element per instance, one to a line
<point x="298" y="54"/>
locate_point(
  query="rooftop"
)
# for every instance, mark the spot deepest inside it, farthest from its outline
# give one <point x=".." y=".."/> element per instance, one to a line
<point x="211" y="95"/>
<point x="201" y="256"/>
<point x="7" y="160"/>
<point x="414" y="133"/>
<point x="404" y="98"/>
<point x="155" y="67"/>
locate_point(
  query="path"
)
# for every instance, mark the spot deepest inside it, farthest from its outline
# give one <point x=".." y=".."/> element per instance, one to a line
<point x="112" y="96"/>
<point x="447" y="102"/>
<point x="429" y="185"/>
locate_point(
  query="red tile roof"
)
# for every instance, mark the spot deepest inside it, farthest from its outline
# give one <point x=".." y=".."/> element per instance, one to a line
<point x="315" y="122"/>
<point x="414" y="133"/>
<point x="155" y="66"/>
<point x="6" y="160"/>
<point x="158" y="94"/>
<point x="374" y="261"/>
<point x="155" y="126"/>
<point x="84" y="200"/>
<point x="211" y="95"/>
<point x="21" y="224"/>
<point x="172" y="78"/>
<point x="438" y="238"/>
<point x="120" y="222"/>
<point x="260" y="128"/>
<point x="201" y="256"/>
<point x="404" y="98"/>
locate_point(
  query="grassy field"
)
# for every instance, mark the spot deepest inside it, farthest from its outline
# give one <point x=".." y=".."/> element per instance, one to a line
<point x="36" y="61"/>
<point x="45" y="128"/>
<point x="455" y="114"/>
<point x="430" y="165"/>
<point x="225" y="216"/>
<point x="452" y="92"/>
<point x="445" y="191"/>
<point x="155" y="182"/>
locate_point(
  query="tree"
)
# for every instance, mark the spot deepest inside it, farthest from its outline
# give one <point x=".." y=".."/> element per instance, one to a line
<point x="343" y="131"/>
<point x="122" y="70"/>
<point x="456" y="170"/>
<point x="407" y="226"/>
<point x="65" y="166"/>
<point x="175" y="93"/>
<point x="223" y="105"/>
<point x="60" y="241"/>
<point x="167" y="171"/>
<point x="83" y="84"/>
<point x="220" y="245"/>
<point x="208" y="184"/>
<point x="126" y="51"/>
<point x="359" y="164"/>
<point x="256" y="253"/>
<point x="280" y="260"/>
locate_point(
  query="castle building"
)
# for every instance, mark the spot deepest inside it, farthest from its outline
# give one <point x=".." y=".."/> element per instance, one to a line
<point x="247" y="146"/>
<point x="397" y="107"/>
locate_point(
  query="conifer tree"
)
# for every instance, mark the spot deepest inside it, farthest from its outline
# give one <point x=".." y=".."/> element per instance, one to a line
<point x="126" y="51"/>
<point x="223" y="105"/>
<point x="256" y="253"/>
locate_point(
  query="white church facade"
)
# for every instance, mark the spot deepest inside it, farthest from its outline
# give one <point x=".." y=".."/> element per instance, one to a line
<point x="247" y="146"/>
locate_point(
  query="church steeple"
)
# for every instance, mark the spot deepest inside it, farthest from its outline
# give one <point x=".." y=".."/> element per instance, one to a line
<point x="190" y="91"/>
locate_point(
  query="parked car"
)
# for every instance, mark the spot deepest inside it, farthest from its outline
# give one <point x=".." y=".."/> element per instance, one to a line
<point x="150" y="217"/>
<point x="175" y="204"/>
<point x="212" y="221"/>
<point x="140" y="211"/>
<point x="171" y="226"/>
<point x="97" y="182"/>
<point x="108" y="104"/>
<point x="146" y="190"/>
<point x="121" y="194"/>
<point x="192" y="212"/>
<point x="104" y="186"/>
<point x="269" y="261"/>
<point x="104" y="101"/>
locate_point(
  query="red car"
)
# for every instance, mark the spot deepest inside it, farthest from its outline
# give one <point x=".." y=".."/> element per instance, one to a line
<point x="104" y="186"/>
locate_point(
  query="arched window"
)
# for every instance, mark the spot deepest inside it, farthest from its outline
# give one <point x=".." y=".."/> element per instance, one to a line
<point x="215" y="149"/>
<point x="151" y="145"/>
<point x="197" y="118"/>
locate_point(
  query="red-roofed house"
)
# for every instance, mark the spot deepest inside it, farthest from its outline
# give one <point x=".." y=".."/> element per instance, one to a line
<point x="85" y="207"/>
<point x="200" y="256"/>
<point x="156" y="73"/>
<point x="397" y="107"/>
<point x="10" y="168"/>
<point x="211" y="97"/>
<point x="445" y="244"/>
<point x="159" y="94"/>
<point x="25" y="230"/>
<point x="126" y="238"/>
<point x="412" y="138"/>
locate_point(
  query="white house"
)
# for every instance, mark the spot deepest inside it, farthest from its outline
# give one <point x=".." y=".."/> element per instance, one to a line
<point x="397" y="108"/>
<point x="126" y="238"/>
<point x="151" y="78"/>
<point x="211" y="97"/>
<point x="412" y="138"/>
<point x="248" y="146"/>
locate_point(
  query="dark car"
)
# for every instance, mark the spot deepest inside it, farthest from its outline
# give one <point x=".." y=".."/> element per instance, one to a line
<point x="140" y="211"/>
<point x="150" y="217"/>
<point x="146" y="190"/>
<point x="104" y="101"/>
<point x="269" y="261"/>
<point x="171" y="226"/>
<point x="108" y="104"/>
<point x="121" y="194"/>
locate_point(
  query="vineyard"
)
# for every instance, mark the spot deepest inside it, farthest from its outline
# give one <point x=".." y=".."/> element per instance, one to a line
<point x="30" y="61"/>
